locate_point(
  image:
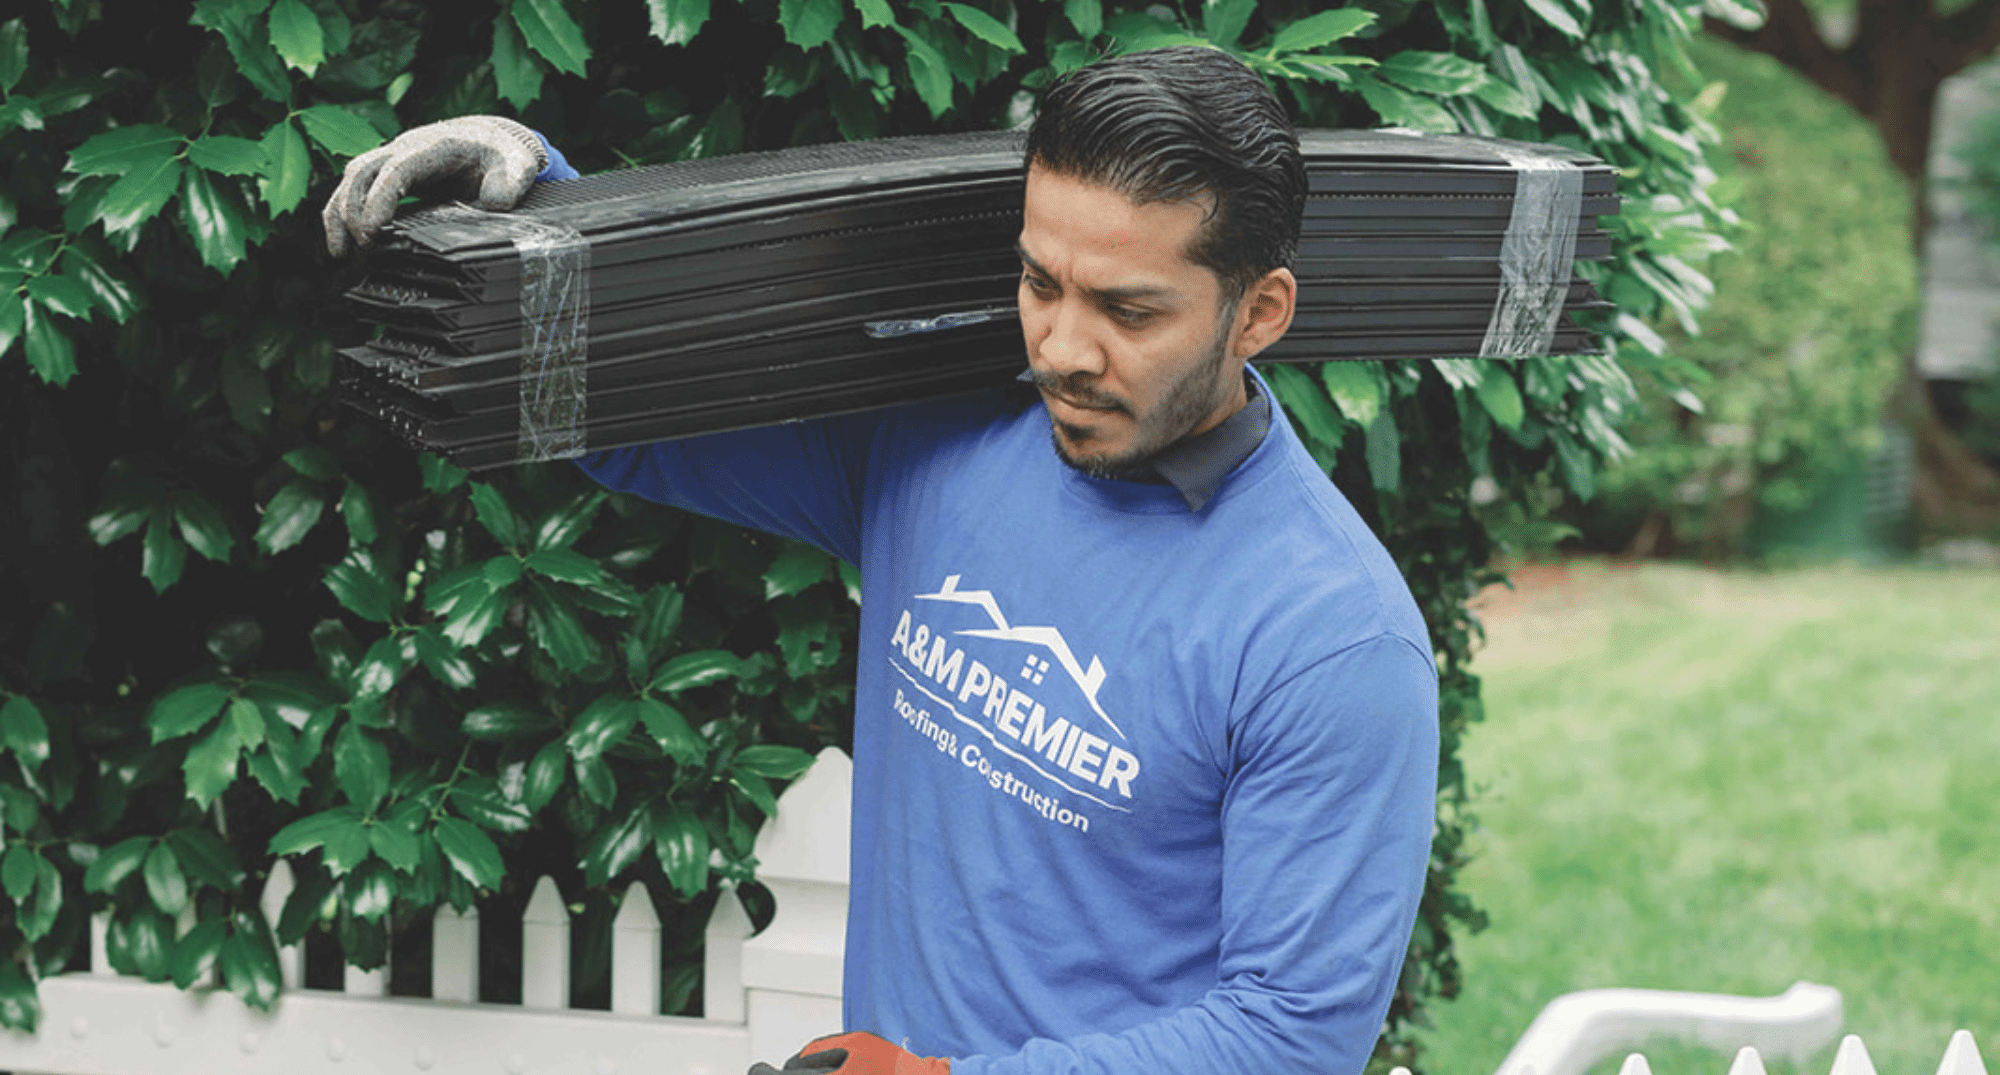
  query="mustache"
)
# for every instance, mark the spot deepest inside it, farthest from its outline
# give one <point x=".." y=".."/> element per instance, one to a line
<point x="1079" y="392"/>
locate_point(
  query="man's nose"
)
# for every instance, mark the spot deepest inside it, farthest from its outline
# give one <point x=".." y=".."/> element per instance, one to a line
<point x="1069" y="346"/>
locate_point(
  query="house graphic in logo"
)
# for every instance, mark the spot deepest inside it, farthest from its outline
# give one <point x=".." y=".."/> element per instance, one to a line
<point x="1048" y="638"/>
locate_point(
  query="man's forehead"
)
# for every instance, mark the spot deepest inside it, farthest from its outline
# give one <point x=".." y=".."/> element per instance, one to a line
<point x="1070" y="222"/>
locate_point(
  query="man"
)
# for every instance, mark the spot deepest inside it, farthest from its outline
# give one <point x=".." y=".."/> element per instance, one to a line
<point x="1145" y="736"/>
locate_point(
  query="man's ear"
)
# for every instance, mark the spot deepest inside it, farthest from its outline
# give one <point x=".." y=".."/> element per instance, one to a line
<point x="1265" y="312"/>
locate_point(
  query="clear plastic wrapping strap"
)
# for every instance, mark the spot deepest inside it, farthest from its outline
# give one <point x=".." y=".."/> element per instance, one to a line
<point x="883" y="330"/>
<point x="555" y="331"/>
<point x="555" y="340"/>
<point x="1536" y="256"/>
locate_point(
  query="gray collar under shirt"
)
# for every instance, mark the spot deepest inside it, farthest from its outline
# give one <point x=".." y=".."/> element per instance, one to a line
<point x="1196" y="466"/>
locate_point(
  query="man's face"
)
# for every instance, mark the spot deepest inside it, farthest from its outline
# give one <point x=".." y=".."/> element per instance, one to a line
<point x="1127" y="339"/>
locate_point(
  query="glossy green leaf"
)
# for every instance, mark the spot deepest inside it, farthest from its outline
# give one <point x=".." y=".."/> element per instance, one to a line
<point x="247" y="718"/>
<point x="697" y="669"/>
<point x="296" y="34"/>
<point x="596" y="781"/>
<point x="112" y="293"/>
<point x="195" y="954"/>
<point x="659" y="618"/>
<point x="338" y="131"/>
<point x="357" y="509"/>
<point x="1322" y="29"/>
<point x="396" y="845"/>
<point x="165" y="882"/>
<point x="545" y="776"/>
<point x="115" y="863"/>
<point x="439" y="476"/>
<point x="1306" y="404"/>
<point x="516" y="71"/>
<point x="13" y="54"/>
<point x="809" y="23"/>
<point x="756" y="790"/>
<point x="1355" y="388"/>
<point x="228" y="155"/>
<point x="370" y="890"/>
<point x="146" y="940"/>
<point x="615" y="846"/>
<point x="313" y="830"/>
<point x="291" y="514"/>
<point x="162" y="555"/>
<point x="361" y="764"/>
<point x="278" y="771"/>
<point x="18" y="870"/>
<point x="1402" y="108"/>
<point x="359" y="589"/>
<point x="797" y="566"/>
<point x="140" y="194"/>
<point x="202" y="527"/>
<point x="490" y="811"/>
<point x="246" y="390"/>
<point x="985" y="27"/>
<point x="24" y="730"/>
<point x="1579" y="470"/>
<point x="1432" y="72"/>
<point x="549" y="30"/>
<point x="775" y="762"/>
<point x="217" y="218"/>
<point x="603" y="723"/>
<point x="1086" y="15"/>
<point x="560" y="528"/>
<point x="490" y="505"/>
<point x="1504" y="98"/>
<point x="206" y="858"/>
<point x="186" y="710"/>
<point x="50" y="352"/>
<point x="443" y="660"/>
<point x="554" y="624"/>
<point x="680" y="841"/>
<point x="670" y="728"/>
<point x="13" y="319"/>
<point x="468" y="622"/>
<point x="65" y="295"/>
<point x="250" y="962"/>
<point x="1501" y="396"/>
<point x="1556" y="15"/>
<point x="313" y="461"/>
<point x="875" y="13"/>
<point x="288" y="169"/>
<point x="210" y="766"/>
<point x="929" y="71"/>
<point x="1385" y="452"/>
<point x="471" y="852"/>
<point x="676" y="22"/>
<point x="506" y="721"/>
<point x="563" y="565"/>
<point x="122" y="149"/>
<point x="1222" y="21"/>
<point x="248" y="37"/>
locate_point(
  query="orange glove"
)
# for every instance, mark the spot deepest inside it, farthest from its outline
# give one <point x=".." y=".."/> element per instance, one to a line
<point x="857" y="1054"/>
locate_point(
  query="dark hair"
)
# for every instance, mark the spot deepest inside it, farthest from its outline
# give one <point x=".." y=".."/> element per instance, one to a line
<point x="1184" y="124"/>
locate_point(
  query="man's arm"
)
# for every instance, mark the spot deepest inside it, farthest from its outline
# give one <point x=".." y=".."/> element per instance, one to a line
<point x="1326" y="842"/>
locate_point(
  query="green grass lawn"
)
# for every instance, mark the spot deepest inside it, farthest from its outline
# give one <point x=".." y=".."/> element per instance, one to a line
<point x="1727" y="782"/>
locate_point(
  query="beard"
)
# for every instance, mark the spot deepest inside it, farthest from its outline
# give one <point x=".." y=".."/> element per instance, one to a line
<point x="1189" y="399"/>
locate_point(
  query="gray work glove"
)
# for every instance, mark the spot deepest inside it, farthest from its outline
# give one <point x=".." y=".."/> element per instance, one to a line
<point x="485" y="160"/>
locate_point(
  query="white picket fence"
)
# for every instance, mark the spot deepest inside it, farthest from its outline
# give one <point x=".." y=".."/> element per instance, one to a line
<point x="763" y="996"/>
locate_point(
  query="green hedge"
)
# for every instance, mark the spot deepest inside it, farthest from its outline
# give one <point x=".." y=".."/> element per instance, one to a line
<point x="239" y="624"/>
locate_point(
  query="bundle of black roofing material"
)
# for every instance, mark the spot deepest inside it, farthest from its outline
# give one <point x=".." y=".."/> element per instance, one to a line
<point x="660" y="302"/>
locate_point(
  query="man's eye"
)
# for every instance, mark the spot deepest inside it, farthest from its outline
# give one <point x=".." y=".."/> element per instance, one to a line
<point x="1037" y="284"/>
<point x="1125" y="315"/>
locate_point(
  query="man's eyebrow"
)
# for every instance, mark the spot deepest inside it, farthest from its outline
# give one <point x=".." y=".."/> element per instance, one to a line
<point x="1132" y="293"/>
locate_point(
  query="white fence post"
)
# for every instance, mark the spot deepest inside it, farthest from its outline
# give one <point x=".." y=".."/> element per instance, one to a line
<point x="545" y="949"/>
<point x="1576" y="1030"/>
<point x="1852" y="1057"/>
<point x="722" y="960"/>
<point x="635" y="954"/>
<point x="277" y="889"/>
<point x="100" y="959"/>
<point x="455" y="954"/>
<point x="356" y="982"/>
<point x="1961" y="1057"/>
<point x="792" y="971"/>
